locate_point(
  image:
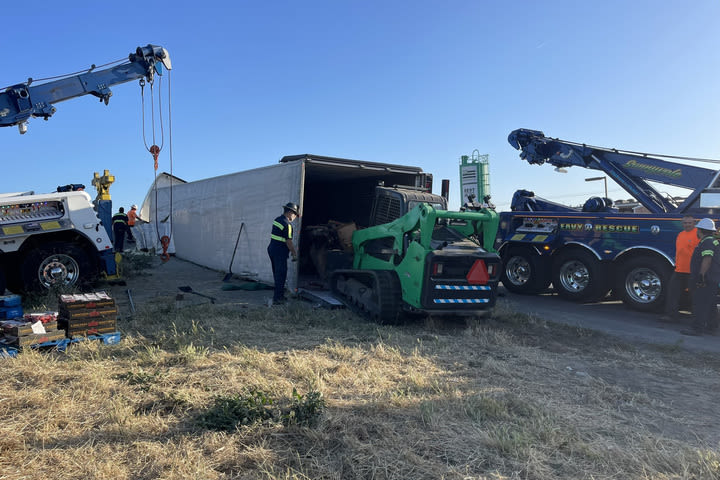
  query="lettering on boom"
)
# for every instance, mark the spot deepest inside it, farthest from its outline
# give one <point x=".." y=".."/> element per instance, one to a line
<point x="601" y="228"/>
<point x="665" y="172"/>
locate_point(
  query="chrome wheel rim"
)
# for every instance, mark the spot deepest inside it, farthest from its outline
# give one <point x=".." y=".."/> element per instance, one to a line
<point x="518" y="271"/>
<point x="59" y="269"/>
<point x="643" y="285"/>
<point x="574" y="276"/>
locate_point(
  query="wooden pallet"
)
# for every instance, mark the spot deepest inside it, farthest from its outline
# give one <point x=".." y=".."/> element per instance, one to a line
<point x="10" y="351"/>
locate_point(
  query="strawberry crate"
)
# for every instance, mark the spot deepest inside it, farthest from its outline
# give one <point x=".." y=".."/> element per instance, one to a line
<point x="91" y="331"/>
<point x="83" y="302"/>
<point x="48" y="338"/>
<point x="87" y="326"/>
<point x="18" y="328"/>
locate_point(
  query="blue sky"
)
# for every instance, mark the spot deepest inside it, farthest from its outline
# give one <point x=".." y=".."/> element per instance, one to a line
<point x="418" y="83"/>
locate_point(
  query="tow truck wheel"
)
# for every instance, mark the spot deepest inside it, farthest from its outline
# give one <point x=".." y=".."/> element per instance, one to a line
<point x="56" y="264"/>
<point x="579" y="276"/>
<point x="523" y="273"/>
<point x="643" y="282"/>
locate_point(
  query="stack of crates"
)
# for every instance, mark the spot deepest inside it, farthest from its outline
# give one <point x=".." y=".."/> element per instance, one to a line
<point x="16" y="330"/>
<point x="19" y="333"/>
<point x="10" y="307"/>
<point x="87" y="314"/>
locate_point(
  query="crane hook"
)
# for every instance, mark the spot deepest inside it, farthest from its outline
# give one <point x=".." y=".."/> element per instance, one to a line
<point x="155" y="151"/>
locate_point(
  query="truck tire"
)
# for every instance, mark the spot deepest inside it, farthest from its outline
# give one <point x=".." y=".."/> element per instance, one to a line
<point x="642" y="283"/>
<point x="56" y="264"/>
<point x="579" y="276"/>
<point x="523" y="272"/>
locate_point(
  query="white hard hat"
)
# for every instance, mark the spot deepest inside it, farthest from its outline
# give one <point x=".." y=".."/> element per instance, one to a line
<point x="134" y="206"/>
<point x="706" y="224"/>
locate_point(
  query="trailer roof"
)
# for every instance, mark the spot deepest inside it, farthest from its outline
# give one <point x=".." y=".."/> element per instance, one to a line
<point x="370" y="168"/>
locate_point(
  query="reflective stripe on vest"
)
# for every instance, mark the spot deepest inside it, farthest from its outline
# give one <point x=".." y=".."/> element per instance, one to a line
<point x="281" y="227"/>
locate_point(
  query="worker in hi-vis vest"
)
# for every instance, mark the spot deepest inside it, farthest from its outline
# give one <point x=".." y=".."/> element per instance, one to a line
<point x="119" y="228"/>
<point x="280" y="246"/>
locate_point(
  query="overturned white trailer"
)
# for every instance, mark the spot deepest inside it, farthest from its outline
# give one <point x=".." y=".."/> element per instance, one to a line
<point x="207" y="214"/>
<point x="155" y="215"/>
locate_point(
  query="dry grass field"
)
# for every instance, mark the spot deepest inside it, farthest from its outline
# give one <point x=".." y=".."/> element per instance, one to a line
<point x="296" y="392"/>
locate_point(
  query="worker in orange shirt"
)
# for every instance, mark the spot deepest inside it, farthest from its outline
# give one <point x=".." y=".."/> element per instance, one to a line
<point x="685" y="244"/>
<point x="132" y="218"/>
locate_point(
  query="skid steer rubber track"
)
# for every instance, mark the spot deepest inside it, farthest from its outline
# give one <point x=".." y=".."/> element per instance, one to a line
<point x="373" y="294"/>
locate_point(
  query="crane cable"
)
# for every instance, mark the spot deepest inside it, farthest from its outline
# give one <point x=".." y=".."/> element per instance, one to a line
<point x="155" y="150"/>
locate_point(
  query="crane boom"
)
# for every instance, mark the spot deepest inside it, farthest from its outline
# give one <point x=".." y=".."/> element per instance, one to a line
<point x="630" y="170"/>
<point x="20" y="102"/>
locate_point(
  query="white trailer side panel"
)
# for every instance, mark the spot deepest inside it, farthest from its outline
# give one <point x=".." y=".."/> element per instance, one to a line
<point x="207" y="215"/>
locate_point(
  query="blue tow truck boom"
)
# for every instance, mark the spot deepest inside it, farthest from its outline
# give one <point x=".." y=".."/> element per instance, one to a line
<point x="20" y="102"/>
<point x="585" y="252"/>
<point x="58" y="239"/>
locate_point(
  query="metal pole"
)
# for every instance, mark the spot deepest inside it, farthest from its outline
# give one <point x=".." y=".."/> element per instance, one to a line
<point x="604" y="179"/>
<point x="132" y="304"/>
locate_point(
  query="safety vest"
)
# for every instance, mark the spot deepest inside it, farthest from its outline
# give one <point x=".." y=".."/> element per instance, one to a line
<point x="119" y="218"/>
<point x="708" y="246"/>
<point x="281" y="230"/>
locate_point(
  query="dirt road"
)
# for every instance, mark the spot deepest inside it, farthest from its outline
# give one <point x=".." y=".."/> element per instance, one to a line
<point x="161" y="282"/>
<point x="610" y="317"/>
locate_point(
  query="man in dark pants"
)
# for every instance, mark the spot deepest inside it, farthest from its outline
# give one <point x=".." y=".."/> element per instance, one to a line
<point x="120" y="226"/>
<point x="685" y="244"/>
<point x="704" y="278"/>
<point x="280" y="246"/>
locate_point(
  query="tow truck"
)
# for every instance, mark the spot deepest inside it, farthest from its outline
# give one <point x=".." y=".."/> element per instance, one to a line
<point x="58" y="238"/>
<point x="585" y="252"/>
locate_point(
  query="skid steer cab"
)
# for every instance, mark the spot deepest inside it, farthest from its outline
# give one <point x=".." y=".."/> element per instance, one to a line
<point x="428" y="261"/>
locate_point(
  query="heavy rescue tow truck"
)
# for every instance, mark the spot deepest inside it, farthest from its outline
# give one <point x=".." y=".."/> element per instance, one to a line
<point x="420" y="258"/>
<point x="58" y="238"/>
<point x="585" y="252"/>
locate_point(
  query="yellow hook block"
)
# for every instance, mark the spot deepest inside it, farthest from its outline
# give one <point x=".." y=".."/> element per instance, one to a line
<point x="102" y="184"/>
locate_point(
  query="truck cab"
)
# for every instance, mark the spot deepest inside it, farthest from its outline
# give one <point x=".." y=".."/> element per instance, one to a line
<point x="51" y="239"/>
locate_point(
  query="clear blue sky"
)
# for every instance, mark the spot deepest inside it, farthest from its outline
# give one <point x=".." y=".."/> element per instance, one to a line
<point x="411" y="82"/>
